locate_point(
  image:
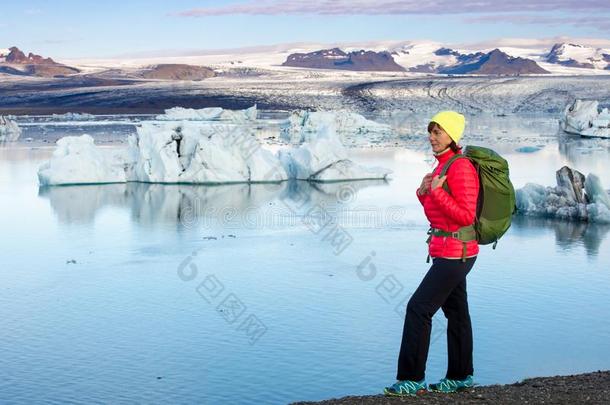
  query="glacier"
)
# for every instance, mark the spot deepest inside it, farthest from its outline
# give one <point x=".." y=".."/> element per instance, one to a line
<point x="583" y="117"/>
<point x="575" y="197"/>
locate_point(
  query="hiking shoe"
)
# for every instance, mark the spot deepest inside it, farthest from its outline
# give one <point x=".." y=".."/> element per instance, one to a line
<point x="405" y="388"/>
<point x="449" y="385"/>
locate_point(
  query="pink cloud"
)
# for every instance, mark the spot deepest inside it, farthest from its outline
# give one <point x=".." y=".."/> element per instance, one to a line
<point x="393" y="7"/>
<point x="600" y="23"/>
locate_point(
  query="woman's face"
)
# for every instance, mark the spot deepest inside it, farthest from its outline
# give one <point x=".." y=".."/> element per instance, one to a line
<point x="439" y="139"/>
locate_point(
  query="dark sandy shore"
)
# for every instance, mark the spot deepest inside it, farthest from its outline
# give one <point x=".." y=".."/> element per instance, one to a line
<point x="589" y="388"/>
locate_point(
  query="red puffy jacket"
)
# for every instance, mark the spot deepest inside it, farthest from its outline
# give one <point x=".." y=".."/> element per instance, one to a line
<point x="450" y="212"/>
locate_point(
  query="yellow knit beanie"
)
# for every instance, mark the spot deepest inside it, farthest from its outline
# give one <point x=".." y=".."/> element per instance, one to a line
<point x="452" y="122"/>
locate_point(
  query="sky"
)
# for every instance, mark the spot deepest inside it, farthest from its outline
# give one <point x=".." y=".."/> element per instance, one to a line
<point x="109" y="28"/>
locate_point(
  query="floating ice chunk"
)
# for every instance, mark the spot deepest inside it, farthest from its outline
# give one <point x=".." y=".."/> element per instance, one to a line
<point x="566" y="200"/>
<point x="531" y="198"/>
<point x="249" y="114"/>
<point x="180" y="113"/>
<point x="301" y="123"/>
<point x="324" y="158"/>
<point x="72" y="116"/>
<point x="584" y="118"/>
<point x="320" y="151"/>
<point x="192" y="153"/>
<point x="599" y="207"/>
<point x="222" y="151"/>
<point x="595" y="191"/>
<point x="572" y="182"/>
<point x="77" y="160"/>
<point x="208" y="114"/>
<point x="9" y="130"/>
<point x="598" y="213"/>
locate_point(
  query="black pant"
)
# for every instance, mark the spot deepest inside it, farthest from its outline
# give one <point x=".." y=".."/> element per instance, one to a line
<point x="444" y="286"/>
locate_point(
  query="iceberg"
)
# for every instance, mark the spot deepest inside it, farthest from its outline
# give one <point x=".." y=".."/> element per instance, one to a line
<point x="302" y="122"/>
<point x="599" y="210"/>
<point x="322" y="157"/>
<point x="9" y="130"/>
<point x="72" y="116"/>
<point x="203" y="152"/>
<point x="575" y="197"/>
<point x="208" y="114"/>
<point x="194" y="153"/>
<point x="77" y="160"/>
<point x="584" y="118"/>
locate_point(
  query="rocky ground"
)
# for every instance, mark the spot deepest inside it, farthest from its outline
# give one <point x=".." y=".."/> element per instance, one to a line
<point x="589" y="388"/>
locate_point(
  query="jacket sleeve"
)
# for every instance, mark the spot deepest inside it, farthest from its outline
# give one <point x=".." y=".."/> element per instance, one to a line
<point x="463" y="181"/>
<point x="421" y="198"/>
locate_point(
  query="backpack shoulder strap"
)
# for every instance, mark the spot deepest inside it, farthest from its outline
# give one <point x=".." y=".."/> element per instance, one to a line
<point x="445" y="168"/>
<point x="453" y="158"/>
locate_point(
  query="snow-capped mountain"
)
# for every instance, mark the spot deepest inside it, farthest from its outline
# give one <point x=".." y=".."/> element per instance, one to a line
<point x="494" y="62"/>
<point x="434" y="57"/>
<point x="335" y="58"/>
<point x="517" y="56"/>
<point x="444" y="60"/>
<point x="425" y="57"/>
<point x="580" y="56"/>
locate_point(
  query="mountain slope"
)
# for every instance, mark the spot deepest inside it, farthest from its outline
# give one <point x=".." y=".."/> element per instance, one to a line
<point x="575" y="55"/>
<point x="13" y="61"/>
<point x="494" y="62"/>
<point x="440" y="60"/>
<point x="335" y="58"/>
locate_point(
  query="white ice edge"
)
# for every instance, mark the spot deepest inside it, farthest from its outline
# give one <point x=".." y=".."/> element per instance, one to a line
<point x="583" y="117"/>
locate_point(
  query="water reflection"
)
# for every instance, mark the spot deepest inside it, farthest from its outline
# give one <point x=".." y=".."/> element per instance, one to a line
<point x="568" y="235"/>
<point x="485" y="125"/>
<point x="589" y="154"/>
<point x="187" y="205"/>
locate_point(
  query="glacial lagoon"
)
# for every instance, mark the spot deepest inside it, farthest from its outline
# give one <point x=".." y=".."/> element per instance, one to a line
<point x="272" y="293"/>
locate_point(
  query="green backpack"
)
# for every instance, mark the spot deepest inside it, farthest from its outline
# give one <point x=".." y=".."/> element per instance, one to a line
<point x="496" y="201"/>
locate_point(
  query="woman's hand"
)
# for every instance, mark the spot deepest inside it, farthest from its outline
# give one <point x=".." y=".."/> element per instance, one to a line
<point x="425" y="184"/>
<point x="438" y="182"/>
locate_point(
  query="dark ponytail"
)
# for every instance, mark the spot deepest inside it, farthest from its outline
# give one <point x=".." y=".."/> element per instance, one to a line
<point x="455" y="147"/>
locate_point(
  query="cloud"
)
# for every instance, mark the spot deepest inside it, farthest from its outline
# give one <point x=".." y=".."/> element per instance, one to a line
<point x="531" y="42"/>
<point x="32" y="11"/>
<point x="598" y="22"/>
<point x="57" y="41"/>
<point x="394" y="7"/>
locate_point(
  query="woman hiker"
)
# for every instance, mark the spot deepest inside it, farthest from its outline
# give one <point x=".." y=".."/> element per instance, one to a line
<point x="444" y="285"/>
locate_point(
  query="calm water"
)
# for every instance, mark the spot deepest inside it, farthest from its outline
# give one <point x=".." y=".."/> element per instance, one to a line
<point x="277" y="293"/>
